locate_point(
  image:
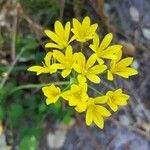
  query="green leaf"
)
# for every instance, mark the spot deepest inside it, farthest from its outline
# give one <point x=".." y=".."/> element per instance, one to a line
<point x="2" y="112"/>
<point x="2" y="94"/>
<point x="15" y="114"/>
<point x="42" y="107"/>
<point x="1" y="39"/>
<point x="31" y="131"/>
<point x="28" y="143"/>
<point x="67" y="118"/>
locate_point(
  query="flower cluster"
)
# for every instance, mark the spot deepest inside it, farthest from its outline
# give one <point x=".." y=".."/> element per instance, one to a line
<point x="80" y="68"/>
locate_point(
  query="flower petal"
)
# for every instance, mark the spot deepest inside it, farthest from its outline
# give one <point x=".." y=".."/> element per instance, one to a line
<point x="81" y="107"/>
<point x="99" y="121"/>
<point x="52" y="45"/>
<point x="59" y="29"/>
<point x="113" y="106"/>
<point x="66" y="95"/>
<point x="106" y="41"/>
<point x="94" y="78"/>
<point x="59" y="56"/>
<point x="109" y="75"/>
<point x="80" y="62"/>
<point x="95" y="44"/>
<point x="52" y="36"/>
<point x="86" y="22"/>
<point x="97" y="69"/>
<point x="126" y="72"/>
<point x="101" y="100"/>
<point x="76" y="26"/>
<point x="68" y="53"/>
<point x="125" y="62"/>
<point x="121" y="102"/>
<point x="91" y="61"/>
<point x="65" y="73"/>
<point x="102" y="111"/>
<point x="89" y="116"/>
<point x="38" y="69"/>
<point x="47" y="58"/>
<point x="92" y="29"/>
<point x="67" y="31"/>
<point x="86" y="25"/>
<point x="81" y="78"/>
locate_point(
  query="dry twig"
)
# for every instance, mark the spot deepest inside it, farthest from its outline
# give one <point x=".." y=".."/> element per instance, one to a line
<point x="12" y="66"/>
<point x="38" y="29"/>
<point x="138" y="100"/>
<point x="14" y="32"/>
<point x="131" y="128"/>
<point x="62" y="7"/>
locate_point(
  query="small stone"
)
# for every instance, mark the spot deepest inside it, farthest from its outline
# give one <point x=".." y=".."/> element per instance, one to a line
<point x="56" y="140"/>
<point x="3" y="144"/>
<point x="146" y="33"/>
<point x="134" y="14"/>
<point x="146" y="126"/>
<point x="125" y="120"/>
<point x="128" y="48"/>
<point x="135" y="64"/>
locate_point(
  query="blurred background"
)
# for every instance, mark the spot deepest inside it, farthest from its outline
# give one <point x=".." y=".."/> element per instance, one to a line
<point x="26" y="123"/>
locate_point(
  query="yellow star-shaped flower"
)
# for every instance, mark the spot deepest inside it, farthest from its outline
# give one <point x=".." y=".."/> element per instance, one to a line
<point x="116" y="98"/>
<point x="48" y="66"/>
<point x="77" y="96"/>
<point x="96" y="113"/>
<point x="83" y="31"/>
<point x="87" y="69"/>
<point x="121" y="67"/>
<point x="60" y="36"/>
<point x="52" y="93"/>
<point x="66" y="61"/>
<point x="103" y="49"/>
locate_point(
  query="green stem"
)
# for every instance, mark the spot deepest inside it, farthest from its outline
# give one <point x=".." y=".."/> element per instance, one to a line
<point x="115" y="83"/>
<point x="29" y="86"/>
<point x="81" y="46"/>
<point x="66" y="88"/>
<point x="95" y="90"/>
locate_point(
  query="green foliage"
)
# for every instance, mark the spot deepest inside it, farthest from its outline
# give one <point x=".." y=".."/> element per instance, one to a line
<point x="1" y="39"/>
<point x="47" y="8"/>
<point x="2" y="112"/>
<point x="15" y="114"/>
<point x="31" y="131"/>
<point x="23" y="110"/>
<point x="28" y="143"/>
<point x="64" y="115"/>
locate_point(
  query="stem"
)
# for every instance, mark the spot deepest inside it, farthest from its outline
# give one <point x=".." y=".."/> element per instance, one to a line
<point x="95" y="90"/>
<point x="10" y="69"/>
<point x="28" y="86"/>
<point x="66" y="88"/>
<point x="81" y="46"/>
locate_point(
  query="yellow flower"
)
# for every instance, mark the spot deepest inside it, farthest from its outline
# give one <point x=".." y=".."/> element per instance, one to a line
<point x="103" y="50"/>
<point x="116" y="98"/>
<point x="60" y="36"/>
<point x="66" y="61"/>
<point x="48" y="66"/>
<point x="121" y="67"/>
<point x="52" y="93"/>
<point x="87" y="69"/>
<point x="77" y="96"/>
<point x="96" y="113"/>
<point x="83" y="31"/>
